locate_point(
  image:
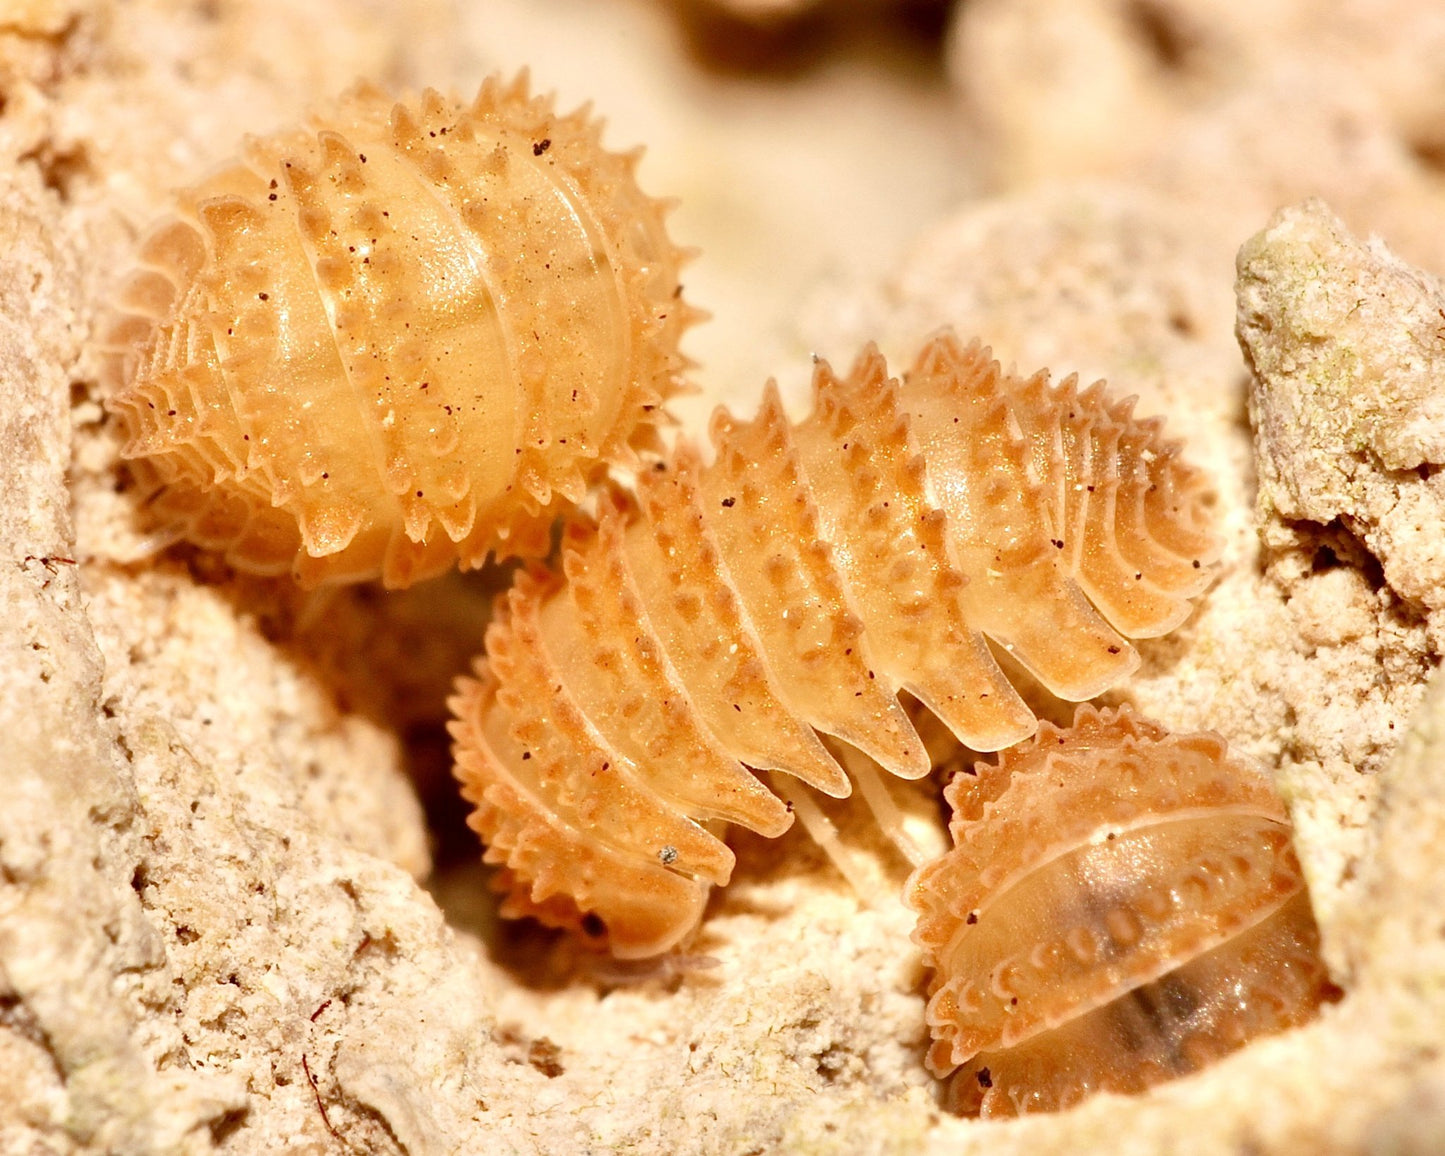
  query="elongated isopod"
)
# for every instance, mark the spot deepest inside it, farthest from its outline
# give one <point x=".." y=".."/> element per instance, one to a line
<point x="718" y="620"/>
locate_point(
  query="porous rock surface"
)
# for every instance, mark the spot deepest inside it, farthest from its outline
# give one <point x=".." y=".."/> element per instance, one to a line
<point x="1348" y="397"/>
<point x="213" y="933"/>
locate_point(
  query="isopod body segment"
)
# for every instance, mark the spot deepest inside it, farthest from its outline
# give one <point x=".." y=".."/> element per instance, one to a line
<point x="1122" y="905"/>
<point x="722" y="617"/>
<point x="400" y="336"/>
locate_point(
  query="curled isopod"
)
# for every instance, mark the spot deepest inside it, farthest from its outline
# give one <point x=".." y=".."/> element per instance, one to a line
<point x="719" y="619"/>
<point x="1121" y="906"/>
<point x="403" y="335"/>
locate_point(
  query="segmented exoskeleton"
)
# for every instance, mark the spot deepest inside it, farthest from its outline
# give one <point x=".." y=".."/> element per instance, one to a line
<point x="403" y="335"/>
<point x="720" y="617"/>
<point x="1121" y="906"/>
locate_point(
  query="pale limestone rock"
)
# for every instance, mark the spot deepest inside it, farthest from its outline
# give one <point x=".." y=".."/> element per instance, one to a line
<point x="1347" y="347"/>
<point x="79" y="960"/>
<point x="1344" y="342"/>
<point x="209" y="850"/>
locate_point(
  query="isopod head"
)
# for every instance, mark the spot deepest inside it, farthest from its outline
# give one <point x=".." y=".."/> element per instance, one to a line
<point x="1122" y="905"/>
<point x="399" y="337"/>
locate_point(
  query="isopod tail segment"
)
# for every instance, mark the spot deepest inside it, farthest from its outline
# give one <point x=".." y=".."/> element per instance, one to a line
<point x="404" y="335"/>
<point x="724" y="615"/>
<point x="1121" y="906"/>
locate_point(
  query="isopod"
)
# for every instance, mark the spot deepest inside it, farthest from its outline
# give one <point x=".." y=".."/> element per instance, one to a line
<point x="1121" y="906"/>
<point x="401" y="336"/>
<point x="730" y="611"/>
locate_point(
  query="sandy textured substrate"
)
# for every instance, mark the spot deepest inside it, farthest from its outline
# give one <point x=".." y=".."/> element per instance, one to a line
<point x="214" y="933"/>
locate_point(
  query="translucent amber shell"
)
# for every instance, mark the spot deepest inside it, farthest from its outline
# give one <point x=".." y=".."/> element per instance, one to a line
<point x="1121" y="906"/>
<point x="718" y="620"/>
<point x="394" y="338"/>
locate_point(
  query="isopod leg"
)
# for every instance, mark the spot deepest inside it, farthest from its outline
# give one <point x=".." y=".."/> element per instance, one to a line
<point x="864" y="772"/>
<point x="824" y="832"/>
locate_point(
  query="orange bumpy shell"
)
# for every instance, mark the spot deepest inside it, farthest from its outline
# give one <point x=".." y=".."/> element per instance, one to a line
<point x="1121" y="906"/>
<point x="396" y="337"/>
<point x="795" y="585"/>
